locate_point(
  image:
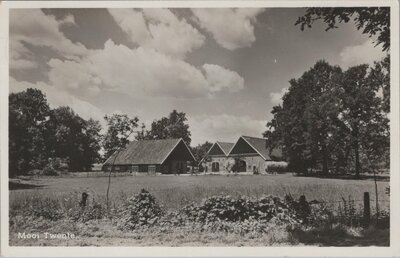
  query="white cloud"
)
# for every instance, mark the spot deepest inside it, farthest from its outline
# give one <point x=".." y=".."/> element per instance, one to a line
<point x="220" y="78"/>
<point x="75" y="77"/>
<point x="159" y="29"/>
<point x="38" y="29"/>
<point x="145" y="72"/>
<point x="57" y="98"/>
<point x="364" y="53"/>
<point x="133" y="23"/>
<point x="232" y="28"/>
<point x="223" y="127"/>
<point x="276" y="97"/>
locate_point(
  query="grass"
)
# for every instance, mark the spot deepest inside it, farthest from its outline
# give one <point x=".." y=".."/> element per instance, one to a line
<point x="174" y="192"/>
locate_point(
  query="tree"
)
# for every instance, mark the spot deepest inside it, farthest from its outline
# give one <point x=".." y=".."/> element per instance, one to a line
<point x="201" y="150"/>
<point x="362" y="111"/>
<point x="92" y="143"/>
<point x="120" y="127"/>
<point x="304" y="125"/>
<point x="372" y="20"/>
<point x="28" y="111"/>
<point x="172" y="127"/>
<point x="72" y="138"/>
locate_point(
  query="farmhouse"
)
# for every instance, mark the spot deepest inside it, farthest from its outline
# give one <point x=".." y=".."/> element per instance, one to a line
<point x="170" y="156"/>
<point x="216" y="158"/>
<point x="252" y="154"/>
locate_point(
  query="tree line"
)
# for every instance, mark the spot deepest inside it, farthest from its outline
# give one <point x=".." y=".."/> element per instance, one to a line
<point x="40" y="135"/>
<point x="333" y="120"/>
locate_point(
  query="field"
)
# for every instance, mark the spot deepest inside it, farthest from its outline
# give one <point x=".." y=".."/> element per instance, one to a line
<point x="175" y="192"/>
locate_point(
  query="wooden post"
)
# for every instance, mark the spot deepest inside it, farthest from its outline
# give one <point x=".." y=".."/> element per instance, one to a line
<point x="367" y="209"/>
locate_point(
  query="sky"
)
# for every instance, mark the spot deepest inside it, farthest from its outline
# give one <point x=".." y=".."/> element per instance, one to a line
<point x="225" y="68"/>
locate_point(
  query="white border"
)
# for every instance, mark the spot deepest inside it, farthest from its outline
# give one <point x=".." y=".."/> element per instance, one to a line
<point x="393" y="250"/>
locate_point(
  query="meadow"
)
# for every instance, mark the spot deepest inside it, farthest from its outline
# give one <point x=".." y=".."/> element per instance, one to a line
<point x="176" y="191"/>
<point x="39" y="195"/>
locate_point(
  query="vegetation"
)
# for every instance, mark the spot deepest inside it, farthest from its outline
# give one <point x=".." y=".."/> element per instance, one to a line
<point x="264" y="220"/>
<point x="172" y="127"/>
<point x="120" y="127"/>
<point x="38" y="133"/>
<point x="372" y="20"/>
<point x="333" y="120"/>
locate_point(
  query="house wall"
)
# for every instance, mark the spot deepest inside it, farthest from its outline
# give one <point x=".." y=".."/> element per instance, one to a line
<point x="221" y="160"/>
<point x="253" y="162"/>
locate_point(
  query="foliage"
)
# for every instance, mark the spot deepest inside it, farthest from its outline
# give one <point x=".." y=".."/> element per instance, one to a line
<point x="28" y="112"/>
<point x="38" y="133"/>
<point x="201" y="150"/>
<point x="140" y="210"/>
<point x="332" y="120"/>
<point x="120" y="127"/>
<point x="276" y="166"/>
<point x="372" y="20"/>
<point x="172" y="127"/>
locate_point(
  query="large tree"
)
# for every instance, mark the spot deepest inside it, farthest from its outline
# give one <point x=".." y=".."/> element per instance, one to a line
<point x="362" y="111"/>
<point x="120" y="127"/>
<point x="305" y="123"/>
<point x="72" y="138"/>
<point x="171" y="127"/>
<point x="28" y="111"/>
<point x="374" y="21"/>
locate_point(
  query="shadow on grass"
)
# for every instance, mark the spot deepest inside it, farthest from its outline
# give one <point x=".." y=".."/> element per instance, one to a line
<point x="14" y="185"/>
<point x="341" y="236"/>
<point x="384" y="178"/>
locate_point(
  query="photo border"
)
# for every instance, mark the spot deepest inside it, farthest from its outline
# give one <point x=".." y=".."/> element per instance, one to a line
<point x="118" y="251"/>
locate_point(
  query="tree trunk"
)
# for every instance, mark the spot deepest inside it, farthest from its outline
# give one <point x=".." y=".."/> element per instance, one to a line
<point x="324" y="161"/>
<point x="357" y="156"/>
<point x="357" y="153"/>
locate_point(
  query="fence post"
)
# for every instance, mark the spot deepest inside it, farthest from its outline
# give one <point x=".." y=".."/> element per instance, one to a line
<point x="367" y="209"/>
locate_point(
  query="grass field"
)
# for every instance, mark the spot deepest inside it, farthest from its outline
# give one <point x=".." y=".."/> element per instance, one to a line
<point x="175" y="192"/>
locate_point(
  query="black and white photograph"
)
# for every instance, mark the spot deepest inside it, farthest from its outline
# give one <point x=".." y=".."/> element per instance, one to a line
<point x="178" y="125"/>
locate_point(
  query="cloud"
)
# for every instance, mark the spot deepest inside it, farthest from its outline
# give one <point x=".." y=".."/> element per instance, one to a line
<point x="223" y="127"/>
<point x="220" y="78"/>
<point x="159" y="29"/>
<point x="38" y="29"/>
<point x="232" y="28"/>
<point x="74" y="77"/>
<point x="57" y="98"/>
<point x="276" y="97"/>
<point x="145" y="72"/>
<point x="364" y="53"/>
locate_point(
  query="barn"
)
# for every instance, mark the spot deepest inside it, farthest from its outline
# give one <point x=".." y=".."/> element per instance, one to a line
<point x="252" y="155"/>
<point x="169" y="156"/>
<point x="216" y="157"/>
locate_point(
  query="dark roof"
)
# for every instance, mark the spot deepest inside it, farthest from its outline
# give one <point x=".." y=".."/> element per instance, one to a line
<point x="225" y="146"/>
<point x="146" y="152"/>
<point x="260" y="145"/>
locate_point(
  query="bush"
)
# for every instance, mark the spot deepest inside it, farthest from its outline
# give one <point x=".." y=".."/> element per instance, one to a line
<point x="276" y="167"/>
<point x="140" y="210"/>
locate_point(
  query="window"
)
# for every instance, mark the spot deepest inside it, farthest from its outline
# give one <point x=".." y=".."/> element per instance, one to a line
<point x="152" y="169"/>
<point x="135" y="168"/>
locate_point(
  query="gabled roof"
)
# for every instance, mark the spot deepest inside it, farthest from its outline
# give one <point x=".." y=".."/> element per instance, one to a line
<point x="260" y="146"/>
<point x="225" y="146"/>
<point x="146" y="152"/>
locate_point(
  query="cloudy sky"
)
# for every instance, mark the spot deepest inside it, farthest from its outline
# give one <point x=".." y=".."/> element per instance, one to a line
<point x="225" y="68"/>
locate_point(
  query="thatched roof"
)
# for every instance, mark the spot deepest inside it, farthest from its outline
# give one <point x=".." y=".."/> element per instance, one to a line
<point x="260" y="146"/>
<point x="146" y="152"/>
<point x="225" y="146"/>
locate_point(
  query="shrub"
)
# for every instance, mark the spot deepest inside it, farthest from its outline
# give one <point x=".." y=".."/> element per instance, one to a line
<point x="140" y="210"/>
<point x="276" y="167"/>
<point x="45" y="208"/>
